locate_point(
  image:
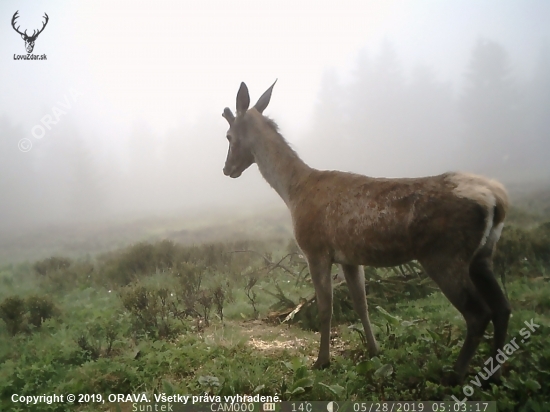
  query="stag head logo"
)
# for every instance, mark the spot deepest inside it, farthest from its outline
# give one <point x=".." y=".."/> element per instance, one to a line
<point x="29" y="40"/>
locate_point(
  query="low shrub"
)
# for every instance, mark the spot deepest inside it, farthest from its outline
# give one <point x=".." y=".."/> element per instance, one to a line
<point x="19" y="313"/>
<point x="54" y="263"/>
<point x="12" y="312"/>
<point x="39" y="309"/>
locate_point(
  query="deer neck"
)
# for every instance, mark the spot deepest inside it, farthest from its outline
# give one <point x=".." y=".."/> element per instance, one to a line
<point x="280" y="166"/>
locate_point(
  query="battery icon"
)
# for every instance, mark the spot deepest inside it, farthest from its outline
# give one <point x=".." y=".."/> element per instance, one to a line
<point x="269" y="407"/>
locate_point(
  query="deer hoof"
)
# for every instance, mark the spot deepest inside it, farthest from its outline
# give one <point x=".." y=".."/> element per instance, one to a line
<point x="374" y="350"/>
<point x="494" y="379"/>
<point x="319" y="364"/>
<point x="451" y="379"/>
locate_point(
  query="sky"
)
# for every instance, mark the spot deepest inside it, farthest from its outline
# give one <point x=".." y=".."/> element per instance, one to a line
<point x="114" y="67"/>
<point x="165" y="62"/>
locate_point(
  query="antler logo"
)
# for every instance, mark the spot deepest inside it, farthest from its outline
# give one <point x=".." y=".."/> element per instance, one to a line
<point x="29" y="40"/>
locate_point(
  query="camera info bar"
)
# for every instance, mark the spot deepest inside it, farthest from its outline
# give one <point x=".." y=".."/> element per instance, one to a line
<point x="305" y="406"/>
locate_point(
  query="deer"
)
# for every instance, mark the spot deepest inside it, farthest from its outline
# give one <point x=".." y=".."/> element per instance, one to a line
<point x="29" y="40"/>
<point x="449" y="224"/>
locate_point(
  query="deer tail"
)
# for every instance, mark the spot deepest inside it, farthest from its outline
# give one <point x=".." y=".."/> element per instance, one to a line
<point x="501" y="202"/>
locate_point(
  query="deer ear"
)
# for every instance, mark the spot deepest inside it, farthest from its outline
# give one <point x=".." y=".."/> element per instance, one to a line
<point x="243" y="99"/>
<point x="228" y="115"/>
<point x="264" y="100"/>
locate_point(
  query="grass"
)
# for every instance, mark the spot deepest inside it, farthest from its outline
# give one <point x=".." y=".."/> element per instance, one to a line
<point x="147" y="318"/>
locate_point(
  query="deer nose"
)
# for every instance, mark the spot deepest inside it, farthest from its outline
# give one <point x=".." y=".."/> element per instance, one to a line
<point x="226" y="171"/>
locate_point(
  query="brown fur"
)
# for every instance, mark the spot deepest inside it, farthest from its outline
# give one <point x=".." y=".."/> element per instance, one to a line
<point x="450" y="223"/>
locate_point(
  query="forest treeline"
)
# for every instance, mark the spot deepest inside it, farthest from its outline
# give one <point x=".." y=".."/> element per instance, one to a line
<point x="382" y="121"/>
<point x="378" y="119"/>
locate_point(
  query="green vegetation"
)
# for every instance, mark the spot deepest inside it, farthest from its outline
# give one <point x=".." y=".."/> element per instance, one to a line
<point x="166" y="318"/>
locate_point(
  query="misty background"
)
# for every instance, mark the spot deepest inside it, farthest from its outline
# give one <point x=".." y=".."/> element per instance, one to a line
<point x="136" y="91"/>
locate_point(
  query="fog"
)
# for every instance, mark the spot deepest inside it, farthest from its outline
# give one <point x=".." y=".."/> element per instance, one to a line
<point x="123" y="119"/>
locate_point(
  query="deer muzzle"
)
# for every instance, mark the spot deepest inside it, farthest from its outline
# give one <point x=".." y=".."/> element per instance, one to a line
<point x="231" y="172"/>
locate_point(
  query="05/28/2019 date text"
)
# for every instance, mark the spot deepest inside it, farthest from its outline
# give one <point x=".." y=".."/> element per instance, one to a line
<point x="393" y="406"/>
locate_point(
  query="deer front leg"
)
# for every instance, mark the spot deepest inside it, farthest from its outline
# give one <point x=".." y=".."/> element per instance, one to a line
<point x="322" y="281"/>
<point x="355" y="278"/>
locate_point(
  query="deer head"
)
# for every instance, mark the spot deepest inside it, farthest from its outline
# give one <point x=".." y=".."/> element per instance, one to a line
<point x="240" y="135"/>
<point x="29" y="40"/>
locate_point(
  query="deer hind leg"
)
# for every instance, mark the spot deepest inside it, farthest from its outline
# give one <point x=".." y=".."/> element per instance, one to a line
<point x="481" y="273"/>
<point x="453" y="280"/>
<point x="355" y="278"/>
<point x="322" y="281"/>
